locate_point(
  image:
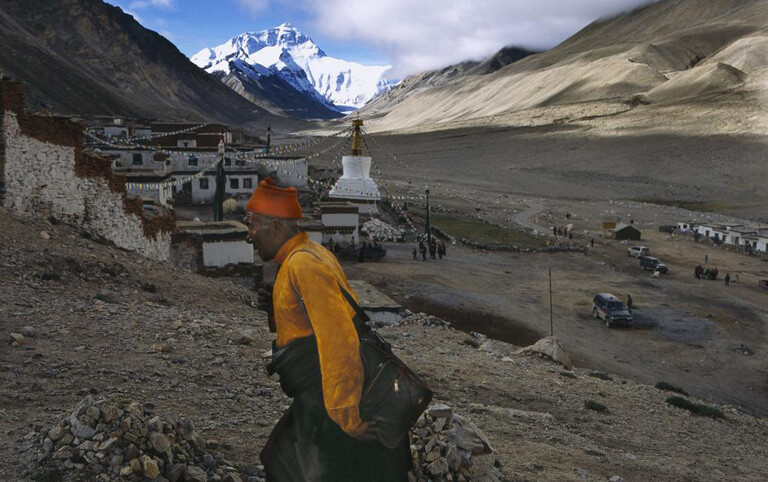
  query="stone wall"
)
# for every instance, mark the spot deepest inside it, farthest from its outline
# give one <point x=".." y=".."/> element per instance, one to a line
<point x="46" y="173"/>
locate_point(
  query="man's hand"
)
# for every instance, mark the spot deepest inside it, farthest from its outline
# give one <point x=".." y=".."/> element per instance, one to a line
<point x="264" y="298"/>
<point x="371" y="433"/>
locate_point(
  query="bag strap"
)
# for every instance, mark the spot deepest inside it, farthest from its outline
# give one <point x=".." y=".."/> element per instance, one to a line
<point x="361" y="317"/>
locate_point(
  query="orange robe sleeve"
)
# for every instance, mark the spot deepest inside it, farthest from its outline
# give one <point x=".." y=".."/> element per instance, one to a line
<point x="337" y="343"/>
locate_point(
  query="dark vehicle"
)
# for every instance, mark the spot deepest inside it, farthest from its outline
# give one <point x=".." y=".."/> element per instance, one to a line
<point x="362" y="253"/>
<point x="611" y="309"/>
<point x="763" y="283"/>
<point x="653" y="264"/>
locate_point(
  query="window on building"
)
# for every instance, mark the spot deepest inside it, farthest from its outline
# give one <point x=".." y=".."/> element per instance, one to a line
<point x="234" y="183"/>
<point x="203" y="183"/>
<point x="247" y="183"/>
<point x="227" y="161"/>
<point x="138" y="159"/>
<point x="192" y="161"/>
<point x="186" y="144"/>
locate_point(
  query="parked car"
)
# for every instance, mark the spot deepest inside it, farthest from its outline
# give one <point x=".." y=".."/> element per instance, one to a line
<point x="637" y="251"/>
<point x="653" y="264"/>
<point x="611" y="309"/>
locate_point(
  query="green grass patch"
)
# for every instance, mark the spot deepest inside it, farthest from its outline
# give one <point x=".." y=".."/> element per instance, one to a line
<point x="601" y="376"/>
<point x="696" y="408"/>
<point x="670" y="388"/>
<point x="481" y="232"/>
<point x="596" y="406"/>
<point x="701" y="206"/>
<point x="568" y="374"/>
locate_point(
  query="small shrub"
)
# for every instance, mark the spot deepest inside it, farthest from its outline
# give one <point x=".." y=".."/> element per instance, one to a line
<point x="696" y="408"/>
<point x="149" y="287"/>
<point x="568" y="374"/>
<point x="105" y="298"/>
<point x="601" y="376"/>
<point x="670" y="388"/>
<point x="73" y="265"/>
<point x="596" y="406"/>
<point x="596" y="453"/>
<point x="50" y="275"/>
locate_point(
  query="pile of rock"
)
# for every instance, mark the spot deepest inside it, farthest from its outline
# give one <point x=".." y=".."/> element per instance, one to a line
<point x="424" y="319"/>
<point x="450" y="447"/>
<point x="380" y="231"/>
<point x="107" y="439"/>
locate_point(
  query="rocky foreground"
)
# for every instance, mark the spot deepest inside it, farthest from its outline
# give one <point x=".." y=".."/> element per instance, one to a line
<point x="92" y="336"/>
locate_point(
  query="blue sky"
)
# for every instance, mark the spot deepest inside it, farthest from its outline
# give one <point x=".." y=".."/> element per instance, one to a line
<point x="410" y="35"/>
<point x="195" y="24"/>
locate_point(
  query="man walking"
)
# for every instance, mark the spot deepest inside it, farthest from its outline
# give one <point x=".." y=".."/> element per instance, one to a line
<point x="727" y="279"/>
<point x="321" y="436"/>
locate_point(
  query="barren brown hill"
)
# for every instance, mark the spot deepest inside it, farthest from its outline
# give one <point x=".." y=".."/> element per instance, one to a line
<point x="681" y="52"/>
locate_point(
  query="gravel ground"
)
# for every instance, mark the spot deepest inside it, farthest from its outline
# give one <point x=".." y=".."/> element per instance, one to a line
<point x="100" y="328"/>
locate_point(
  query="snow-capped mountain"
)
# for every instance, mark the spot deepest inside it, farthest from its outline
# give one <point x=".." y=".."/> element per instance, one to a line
<point x="287" y="52"/>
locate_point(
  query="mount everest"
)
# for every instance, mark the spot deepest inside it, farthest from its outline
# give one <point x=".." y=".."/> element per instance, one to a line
<point x="285" y="58"/>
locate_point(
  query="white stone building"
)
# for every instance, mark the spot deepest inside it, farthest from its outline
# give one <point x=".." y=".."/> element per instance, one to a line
<point x="203" y="190"/>
<point x="340" y="222"/>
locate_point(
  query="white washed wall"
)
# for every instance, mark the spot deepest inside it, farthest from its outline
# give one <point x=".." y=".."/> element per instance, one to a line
<point x="222" y="253"/>
<point x="40" y="181"/>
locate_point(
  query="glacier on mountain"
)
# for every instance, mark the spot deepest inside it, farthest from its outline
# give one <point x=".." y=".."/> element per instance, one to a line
<point x="287" y="52"/>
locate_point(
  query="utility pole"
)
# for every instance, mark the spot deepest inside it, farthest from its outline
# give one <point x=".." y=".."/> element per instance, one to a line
<point x="551" y="322"/>
<point x="428" y="227"/>
<point x="269" y="138"/>
<point x="221" y="183"/>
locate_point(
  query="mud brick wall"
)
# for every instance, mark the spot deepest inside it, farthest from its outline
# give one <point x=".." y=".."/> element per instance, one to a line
<point x="46" y="173"/>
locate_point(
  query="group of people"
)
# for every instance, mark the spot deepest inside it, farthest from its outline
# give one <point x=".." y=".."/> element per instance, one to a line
<point x="434" y="247"/>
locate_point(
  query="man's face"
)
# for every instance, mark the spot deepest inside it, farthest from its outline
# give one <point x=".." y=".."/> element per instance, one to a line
<point x="263" y="235"/>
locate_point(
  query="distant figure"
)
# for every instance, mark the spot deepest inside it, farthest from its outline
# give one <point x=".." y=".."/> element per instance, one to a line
<point x="415" y="252"/>
<point x="440" y="250"/>
<point x="706" y="258"/>
<point x="554" y="230"/>
<point x="592" y="242"/>
<point x="432" y="249"/>
<point x="727" y="279"/>
<point x="629" y="302"/>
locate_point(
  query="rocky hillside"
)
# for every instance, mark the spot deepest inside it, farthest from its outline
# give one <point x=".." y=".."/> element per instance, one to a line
<point x="671" y="59"/>
<point x="85" y="57"/>
<point x="141" y="337"/>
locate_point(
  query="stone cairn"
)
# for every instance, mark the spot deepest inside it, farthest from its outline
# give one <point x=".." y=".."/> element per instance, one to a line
<point x="109" y="440"/>
<point x="380" y="231"/>
<point x="448" y="447"/>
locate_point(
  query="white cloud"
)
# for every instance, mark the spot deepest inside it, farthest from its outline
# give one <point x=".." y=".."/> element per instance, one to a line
<point x="254" y="7"/>
<point x="427" y="34"/>
<point x="143" y="4"/>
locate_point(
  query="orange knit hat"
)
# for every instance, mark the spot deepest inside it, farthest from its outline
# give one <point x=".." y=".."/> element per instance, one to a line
<point x="270" y="200"/>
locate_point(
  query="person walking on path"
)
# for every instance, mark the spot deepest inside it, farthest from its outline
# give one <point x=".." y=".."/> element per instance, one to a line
<point x="321" y="436"/>
<point x="423" y="249"/>
<point x="414" y="254"/>
<point x="592" y="243"/>
<point x="727" y="279"/>
<point x="629" y="302"/>
<point x="432" y="249"/>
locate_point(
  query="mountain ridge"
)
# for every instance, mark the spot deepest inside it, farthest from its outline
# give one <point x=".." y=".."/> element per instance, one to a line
<point x="86" y="57"/>
<point x="286" y="52"/>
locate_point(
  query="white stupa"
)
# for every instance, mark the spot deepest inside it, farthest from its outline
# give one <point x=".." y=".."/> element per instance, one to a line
<point x="356" y="185"/>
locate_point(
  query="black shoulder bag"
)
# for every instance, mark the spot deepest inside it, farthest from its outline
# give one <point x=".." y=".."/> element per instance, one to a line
<point x="393" y="395"/>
